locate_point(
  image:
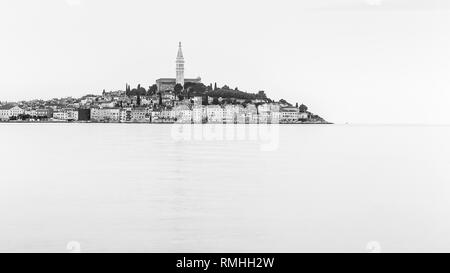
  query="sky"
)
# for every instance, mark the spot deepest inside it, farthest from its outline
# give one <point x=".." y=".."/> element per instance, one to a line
<point x="355" y="61"/>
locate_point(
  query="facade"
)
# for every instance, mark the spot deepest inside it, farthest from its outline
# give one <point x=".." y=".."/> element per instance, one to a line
<point x="214" y="114"/>
<point x="231" y="113"/>
<point x="140" y="115"/>
<point x="275" y="117"/>
<point x="167" y="84"/>
<point x="289" y="115"/>
<point x="84" y="114"/>
<point x="6" y="112"/>
<point x="182" y="114"/>
<point x="251" y="114"/>
<point x="45" y="112"/>
<point x="31" y="113"/>
<point x="66" y="115"/>
<point x="198" y="114"/>
<point x="105" y="114"/>
<point x="60" y="115"/>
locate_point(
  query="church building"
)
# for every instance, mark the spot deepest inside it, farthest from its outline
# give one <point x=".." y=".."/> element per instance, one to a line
<point x="165" y="84"/>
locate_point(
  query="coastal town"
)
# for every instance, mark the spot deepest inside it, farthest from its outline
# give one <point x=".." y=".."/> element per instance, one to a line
<point x="169" y="100"/>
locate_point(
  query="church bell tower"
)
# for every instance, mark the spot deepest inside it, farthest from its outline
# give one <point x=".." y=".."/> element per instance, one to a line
<point x="180" y="66"/>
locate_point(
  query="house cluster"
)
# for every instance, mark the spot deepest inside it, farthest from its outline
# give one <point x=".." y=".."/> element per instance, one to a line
<point x="161" y="109"/>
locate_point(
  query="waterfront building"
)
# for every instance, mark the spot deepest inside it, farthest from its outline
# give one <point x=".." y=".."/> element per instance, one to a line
<point x="275" y="117"/>
<point x="198" y="114"/>
<point x="66" y="115"/>
<point x="240" y="118"/>
<point x="214" y="114"/>
<point x="182" y="114"/>
<point x="289" y="114"/>
<point x="231" y="113"/>
<point x="105" y="114"/>
<point x="84" y="114"/>
<point x="251" y="114"/>
<point x="140" y="115"/>
<point x="263" y="117"/>
<point x="8" y="111"/>
<point x="31" y="113"/>
<point x="155" y="116"/>
<point x="60" y="115"/>
<point x="167" y="115"/>
<point x="45" y="112"/>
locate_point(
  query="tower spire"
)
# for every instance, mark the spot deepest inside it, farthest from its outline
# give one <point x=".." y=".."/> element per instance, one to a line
<point x="180" y="66"/>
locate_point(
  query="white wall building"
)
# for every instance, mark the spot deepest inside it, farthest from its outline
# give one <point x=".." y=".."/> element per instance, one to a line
<point x="182" y="114"/>
<point x="214" y="114"/>
<point x="105" y="114"/>
<point x="289" y="114"/>
<point x="198" y="114"/>
<point x="6" y="112"/>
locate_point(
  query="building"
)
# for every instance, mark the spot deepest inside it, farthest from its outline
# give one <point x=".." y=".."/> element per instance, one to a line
<point x="60" y="115"/>
<point x="231" y="113"/>
<point x="251" y="114"/>
<point x="84" y="114"/>
<point x="198" y="114"/>
<point x="275" y="117"/>
<point x="8" y="111"/>
<point x="31" y="113"/>
<point x="66" y="115"/>
<point x="140" y="115"/>
<point x="269" y="113"/>
<point x="182" y="114"/>
<point x="214" y="114"/>
<point x="44" y="113"/>
<point x="165" y="84"/>
<point x="105" y="114"/>
<point x="180" y="66"/>
<point x="289" y="114"/>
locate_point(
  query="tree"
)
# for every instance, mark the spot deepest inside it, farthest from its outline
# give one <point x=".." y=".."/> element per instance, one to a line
<point x="215" y="86"/>
<point x="138" y="100"/>
<point x="215" y="101"/>
<point x="177" y="89"/>
<point x="188" y="85"/>
<point x="262" y="95"/>
<point x="205" y="100"/>
<point x="127" y="90"/>
<point x="197" y="89"/>
<point x="152" y="90"/>
<point x="303" y="108"/>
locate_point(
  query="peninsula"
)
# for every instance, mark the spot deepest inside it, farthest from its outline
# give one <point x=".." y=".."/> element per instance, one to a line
<point x="169" y="100"/>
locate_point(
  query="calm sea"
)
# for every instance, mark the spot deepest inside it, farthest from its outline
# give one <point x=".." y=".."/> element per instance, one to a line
<point x="218" y="188"/>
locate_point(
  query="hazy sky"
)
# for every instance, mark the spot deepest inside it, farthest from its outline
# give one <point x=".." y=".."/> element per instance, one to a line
<point x="376" y="61"/>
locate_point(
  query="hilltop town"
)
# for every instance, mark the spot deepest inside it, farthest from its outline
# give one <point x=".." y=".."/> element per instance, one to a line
<point x="169" y="100"/>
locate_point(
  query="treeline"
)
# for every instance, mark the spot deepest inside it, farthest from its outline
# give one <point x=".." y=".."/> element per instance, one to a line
<point x="198" y="89"/>
<point x="141" y="91"/>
